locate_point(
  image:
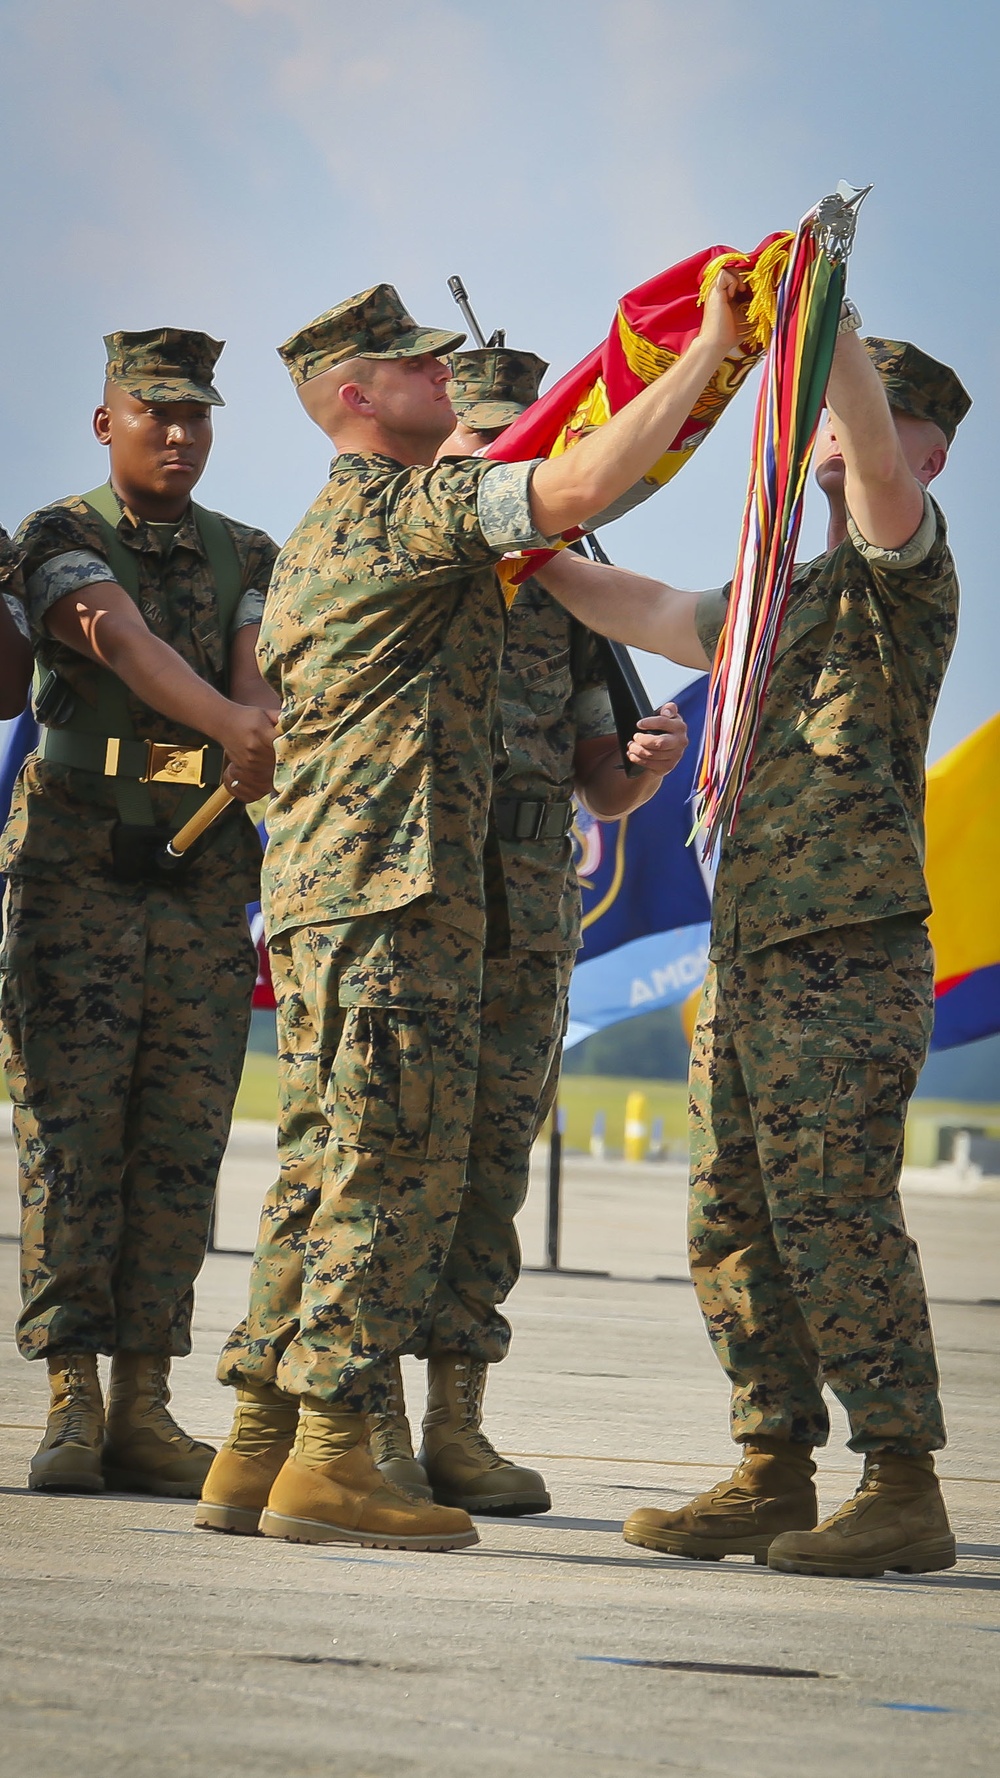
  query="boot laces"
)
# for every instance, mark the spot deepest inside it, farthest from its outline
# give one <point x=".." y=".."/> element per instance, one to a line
<point x="73" y="1418"/>
<point x="71" y="1423"/>
<point x="388" y="1428"/>
<point x="469" y="1383"/>
<point x="742" y="1486"/>
<point x="392" y="1439"/>
<point x="158" y="1417"/>
<point x="871" y="1481"/>
<point x="736" y="1487"/>
<point x="867" y="1485"/>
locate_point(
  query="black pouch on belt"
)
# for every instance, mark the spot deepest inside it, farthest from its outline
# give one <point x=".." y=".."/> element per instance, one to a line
<point x="137" y="855"/>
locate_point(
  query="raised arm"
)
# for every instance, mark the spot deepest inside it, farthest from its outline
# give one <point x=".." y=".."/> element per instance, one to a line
<point x="102" y="622"/>
<point x="627" y="607"/>
<point x="570" y="489"/>
<point x="881" y="491"/>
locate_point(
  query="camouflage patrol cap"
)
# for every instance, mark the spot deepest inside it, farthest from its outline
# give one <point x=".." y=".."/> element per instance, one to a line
<point x="372" y="325"/>
<point x="164" y="364"/>
<point x="918" y="385"/>
<point x="491" y="387"/>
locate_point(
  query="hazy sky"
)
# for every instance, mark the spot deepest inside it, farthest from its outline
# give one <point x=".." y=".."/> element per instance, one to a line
<point x="240" y="165"/>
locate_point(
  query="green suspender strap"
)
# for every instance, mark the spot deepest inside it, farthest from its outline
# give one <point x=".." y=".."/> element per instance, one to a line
<point x="112" y="717"/>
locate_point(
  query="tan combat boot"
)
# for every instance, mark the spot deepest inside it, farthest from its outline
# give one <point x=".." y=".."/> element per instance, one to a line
<point x="69" y="1456"/>
<point x="770" y="1490"/>
<point x="897" y="1519"/>
<point x="236" y="1487"/>
<point x="145" y="1451"/>
<point x="329" y="1491"/>
<point x="461" y="1465"/>
<point x="390" y="1441"/>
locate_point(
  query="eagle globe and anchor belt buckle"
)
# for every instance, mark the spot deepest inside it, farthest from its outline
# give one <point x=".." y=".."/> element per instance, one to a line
<point x="165" y="764"/>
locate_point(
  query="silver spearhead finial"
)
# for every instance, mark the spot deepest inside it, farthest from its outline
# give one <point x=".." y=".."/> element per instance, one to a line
<point x="835" y="219"/>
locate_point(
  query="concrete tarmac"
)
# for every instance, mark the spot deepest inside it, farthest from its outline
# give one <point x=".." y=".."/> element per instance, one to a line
<point x="135" y="1647"/>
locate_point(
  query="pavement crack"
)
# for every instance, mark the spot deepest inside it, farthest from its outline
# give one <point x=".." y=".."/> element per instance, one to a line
<point x="340" y="1661"/>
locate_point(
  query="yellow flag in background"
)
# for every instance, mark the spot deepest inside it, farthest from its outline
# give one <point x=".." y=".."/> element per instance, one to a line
<point x="963" y="854"/>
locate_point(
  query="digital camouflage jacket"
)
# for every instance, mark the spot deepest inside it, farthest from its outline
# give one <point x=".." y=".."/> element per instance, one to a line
<point x="62" y="817"/>
<point x="831" y="825"/>
<point x="383" y="635"/>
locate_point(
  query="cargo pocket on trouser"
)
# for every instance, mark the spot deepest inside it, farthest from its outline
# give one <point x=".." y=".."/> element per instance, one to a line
<point x="389" y="1085"/>
<point x="856" y="1271"/>
<point x="398" y="1104"/>
<point x="17" y="990"/>
<point x="863" y="1143"/>
<point x="865" y="1088"/>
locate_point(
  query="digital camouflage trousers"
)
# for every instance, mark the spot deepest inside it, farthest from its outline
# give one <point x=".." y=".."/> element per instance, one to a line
<point x="804" y="1060"/>
<point x="125" y="1014"/>
<point x="378" y="1038"/>
<point x="410" y="1091"/>
<point x="522" y="1022"/>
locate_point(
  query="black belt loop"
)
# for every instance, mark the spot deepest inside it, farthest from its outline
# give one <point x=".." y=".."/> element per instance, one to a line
<point x="524" y="818"/>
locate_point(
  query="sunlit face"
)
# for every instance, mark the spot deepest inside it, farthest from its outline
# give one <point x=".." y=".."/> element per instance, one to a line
<point x="409" y="397"/>
<point x="158" y="449"/>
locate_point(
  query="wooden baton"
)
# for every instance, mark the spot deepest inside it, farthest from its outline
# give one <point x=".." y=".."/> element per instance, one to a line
<point x="192" y="830"/>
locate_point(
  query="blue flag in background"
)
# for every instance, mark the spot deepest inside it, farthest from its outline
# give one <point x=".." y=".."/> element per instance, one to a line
<point x="19" y="739"/>
<point x="646" y="902"/>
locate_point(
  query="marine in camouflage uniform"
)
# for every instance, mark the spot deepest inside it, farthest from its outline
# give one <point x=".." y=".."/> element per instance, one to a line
<point x="559" y="736"/>
<point x="384" y="633"/>
<point x="383" y="636"/>
<point x="818" y="1006"/>
<point x="817" y="1012"/>
<point x="125" y="1002"/>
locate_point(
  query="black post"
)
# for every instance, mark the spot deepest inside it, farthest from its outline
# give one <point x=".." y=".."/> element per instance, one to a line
<point x="555" y="1188"/>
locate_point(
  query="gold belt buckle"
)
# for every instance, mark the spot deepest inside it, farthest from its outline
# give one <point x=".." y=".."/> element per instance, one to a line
<point x="174" y="765"/>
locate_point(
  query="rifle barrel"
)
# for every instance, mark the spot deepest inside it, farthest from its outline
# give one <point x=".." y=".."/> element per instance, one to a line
<point x="469" y="316"/>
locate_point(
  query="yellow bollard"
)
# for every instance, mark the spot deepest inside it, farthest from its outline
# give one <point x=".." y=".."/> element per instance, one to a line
<point x="636" y="1127"/>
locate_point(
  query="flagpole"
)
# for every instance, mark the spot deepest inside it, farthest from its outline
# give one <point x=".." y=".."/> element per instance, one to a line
<point x="554" y="1206"/>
